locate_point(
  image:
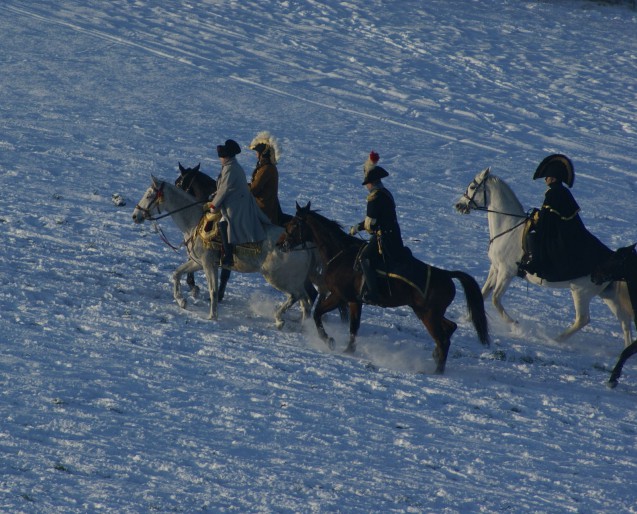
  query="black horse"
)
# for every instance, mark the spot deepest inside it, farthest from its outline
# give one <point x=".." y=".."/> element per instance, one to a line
<point x="622" y="265"/>
<point x="201" y="186"/>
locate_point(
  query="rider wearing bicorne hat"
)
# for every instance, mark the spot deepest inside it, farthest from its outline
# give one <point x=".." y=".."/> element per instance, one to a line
<point x="386" y="244"/>
<point x="561" y="248"/>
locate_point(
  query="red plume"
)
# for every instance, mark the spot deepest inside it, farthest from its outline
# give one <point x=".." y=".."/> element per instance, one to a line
<point x="374" y="157"/>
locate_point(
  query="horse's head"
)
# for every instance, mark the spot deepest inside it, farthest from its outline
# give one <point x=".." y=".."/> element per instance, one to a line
<point x="475" y="197"/>
<point x="150" y="202"/>
<point x="183" y="173"/>
<point x="296" y="231"/>
<point x="619" y="266"/>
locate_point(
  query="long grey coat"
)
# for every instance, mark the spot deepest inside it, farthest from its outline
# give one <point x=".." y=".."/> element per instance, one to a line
<point x="235" y="201"/>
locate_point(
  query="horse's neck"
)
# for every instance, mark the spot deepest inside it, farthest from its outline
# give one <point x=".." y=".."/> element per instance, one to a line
<point x="505" y="210"/>
<point x="327" y="245"/>
<point x="185" y="219"/>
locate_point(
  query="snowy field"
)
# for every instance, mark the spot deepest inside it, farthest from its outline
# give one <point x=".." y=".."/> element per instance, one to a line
<point x="113" y="399"/>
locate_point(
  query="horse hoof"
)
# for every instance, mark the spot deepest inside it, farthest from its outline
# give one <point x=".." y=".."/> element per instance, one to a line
<point x="182" y="303"/>
<point x="330" y="343"/>
<point x="279" y="323"/>
<point x="350" y="349"/>
<point x="194" y="292"/>
<point x="611" y="384"/>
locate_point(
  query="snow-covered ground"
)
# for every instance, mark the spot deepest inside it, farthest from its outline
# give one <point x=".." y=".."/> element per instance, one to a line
<point x="113" y="399"/>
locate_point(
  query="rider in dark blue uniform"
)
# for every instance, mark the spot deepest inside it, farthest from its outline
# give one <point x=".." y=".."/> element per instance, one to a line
<point x="385" y="246"/>
<point x="561" y="246"/>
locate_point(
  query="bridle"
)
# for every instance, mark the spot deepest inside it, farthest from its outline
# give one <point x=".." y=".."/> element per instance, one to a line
<point x="473" y="205"/>
<point x="157" y="199"/>
<point x="477" y="186"/>
<point x="299" y="243"/>
<point x="180" y="181"/>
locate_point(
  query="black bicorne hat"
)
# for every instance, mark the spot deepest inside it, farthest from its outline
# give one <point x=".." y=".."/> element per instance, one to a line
<point x="558" y="166"/>
<point x="373" y="172"/>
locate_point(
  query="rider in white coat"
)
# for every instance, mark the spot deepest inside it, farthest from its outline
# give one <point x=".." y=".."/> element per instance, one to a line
<point x="244" y="219"/>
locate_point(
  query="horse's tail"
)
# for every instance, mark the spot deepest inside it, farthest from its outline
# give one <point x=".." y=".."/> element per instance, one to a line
<point x="475" y="304"/>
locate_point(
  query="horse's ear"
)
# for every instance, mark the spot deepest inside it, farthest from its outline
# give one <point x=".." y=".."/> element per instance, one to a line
<point x="298" y="207"/>
<point x="487" y="171"/>
<point x="307" y="207"/>
<point x="181" y="168"/>
<point x="154" y="180"/>
<point x="196" y="168"/>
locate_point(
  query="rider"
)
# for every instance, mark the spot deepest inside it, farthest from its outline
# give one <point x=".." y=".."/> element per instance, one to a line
<point x="265" y="177"/>
<point x="561" y="247"/>
<point x="386" y="243"/>
<point x="242" y="218"/>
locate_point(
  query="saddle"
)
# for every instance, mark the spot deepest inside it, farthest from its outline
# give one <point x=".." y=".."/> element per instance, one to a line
<point x="208" y="232"/>
<point x="407" y="269"/>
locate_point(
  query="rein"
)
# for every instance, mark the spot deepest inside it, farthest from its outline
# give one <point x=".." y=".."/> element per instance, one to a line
<point x="170" y="213"/>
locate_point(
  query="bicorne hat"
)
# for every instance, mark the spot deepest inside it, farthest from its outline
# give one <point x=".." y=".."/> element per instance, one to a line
<point x="558" y="166"/>
<point x="229" y="149"/>
<point x="371" y="171"/>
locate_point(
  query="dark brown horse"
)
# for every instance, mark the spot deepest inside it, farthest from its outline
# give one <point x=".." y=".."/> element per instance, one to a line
<point x="622" y="265"/>
<point x="201" y="186"/>
<point x="428" y="297"/>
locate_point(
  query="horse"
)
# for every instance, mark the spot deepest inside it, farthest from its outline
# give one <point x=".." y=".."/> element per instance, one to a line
<point x="507" y="220"/>
<point x="429" y="296"/>
<point x="285" y="271"/>
<point x="622" y="265"/>
<point x="201" y="186"/>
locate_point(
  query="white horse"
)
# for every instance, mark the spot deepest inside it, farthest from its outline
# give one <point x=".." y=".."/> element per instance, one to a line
<point x="286" y="271"/>
<point x="506" y="229"/>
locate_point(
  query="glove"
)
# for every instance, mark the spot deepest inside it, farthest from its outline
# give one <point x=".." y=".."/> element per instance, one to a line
<point x="353" y="230"/>
<point x="208" y="206"/>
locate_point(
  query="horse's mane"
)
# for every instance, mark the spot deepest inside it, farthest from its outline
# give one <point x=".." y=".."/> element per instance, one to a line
<point x="508" y="192"/>
<point x="334" y="230"/>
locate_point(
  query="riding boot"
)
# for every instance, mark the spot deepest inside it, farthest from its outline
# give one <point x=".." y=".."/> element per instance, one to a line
<point x="223" y="280"/>
<point x="225" y="244"/>
<point x="370" y="293"/>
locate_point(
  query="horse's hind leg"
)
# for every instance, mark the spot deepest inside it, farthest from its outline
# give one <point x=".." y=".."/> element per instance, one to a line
<point x="582" y="303"/>
<point x="355" y="310"/>
<point x="440" y="330"/>
<point x="617" y="370"/>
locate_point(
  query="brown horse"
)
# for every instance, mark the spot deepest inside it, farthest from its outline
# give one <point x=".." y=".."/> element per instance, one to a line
<point x="428" y="297"/>
<point x="622" y="265"/>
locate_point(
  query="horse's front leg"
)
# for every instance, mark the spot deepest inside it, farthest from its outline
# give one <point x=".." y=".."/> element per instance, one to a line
<point x="355" y="310"/>
<point x="211" y="270"/>
<point x="324" y="306"/>
<point x="188" y="267"/>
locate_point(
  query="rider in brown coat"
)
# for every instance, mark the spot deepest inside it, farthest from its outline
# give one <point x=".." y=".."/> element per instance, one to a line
<point x="265" y="177"/>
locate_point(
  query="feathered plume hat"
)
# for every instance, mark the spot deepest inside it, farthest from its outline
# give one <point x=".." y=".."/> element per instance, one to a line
<point x="266" y="143"/>
<point x="372" y="172"/>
